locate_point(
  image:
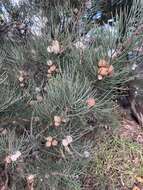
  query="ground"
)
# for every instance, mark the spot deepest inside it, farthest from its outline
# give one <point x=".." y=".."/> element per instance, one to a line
<point x="117" y="161"/>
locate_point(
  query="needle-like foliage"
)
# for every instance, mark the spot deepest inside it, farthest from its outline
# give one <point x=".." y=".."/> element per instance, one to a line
<point x="64" y="98"/>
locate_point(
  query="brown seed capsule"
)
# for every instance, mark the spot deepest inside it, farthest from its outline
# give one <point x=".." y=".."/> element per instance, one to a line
<point x="30" y="179"/>
<point x="39" y="98"/>
<point x="54" y="143"/>
<point x="48" y="144"/>
<point x="22" y="84"/>
<point x="49" y="71"/>
<point x="57" y="124"/>
<point x="103" y="71"/>
<point x="65" y="142"/>
<point x="102" y="63"/>
<point x="49" y="63"/>
<point x="49" y="138"/>
<point x="49" y="49"/>
<point x="15" y="156"/>
<point x="53" y="68"/>
<point x="21" y="79"/>
<point x="69" y="139"/>
<point x="55" y="46"/>
<point x="57" y="119"/>
<point x="90" y="102"/>
<point x="8" y="160"/>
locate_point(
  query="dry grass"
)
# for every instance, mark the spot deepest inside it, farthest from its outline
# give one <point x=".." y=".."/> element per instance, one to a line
<point x="116" y="163"/>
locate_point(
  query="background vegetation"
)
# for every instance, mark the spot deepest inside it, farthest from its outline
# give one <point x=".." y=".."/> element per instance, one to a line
<point x="59" y="93"/>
